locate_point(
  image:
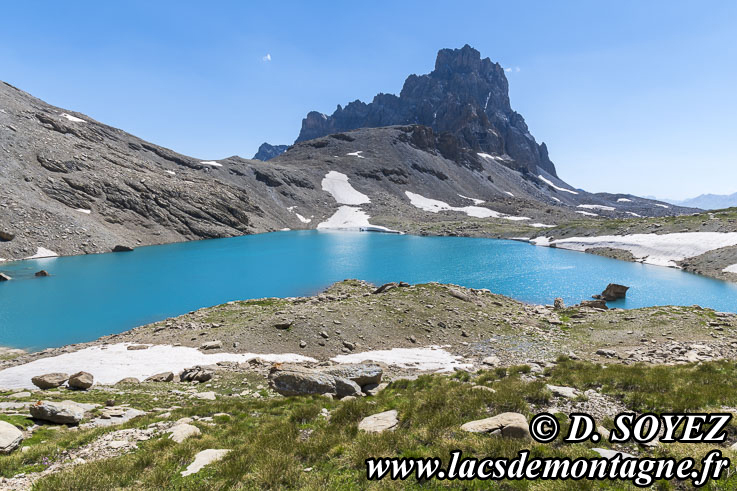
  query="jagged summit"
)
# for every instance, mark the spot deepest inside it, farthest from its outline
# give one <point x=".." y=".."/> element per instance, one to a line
<point x="267" y="151"/>
<point x="464" y="96"/>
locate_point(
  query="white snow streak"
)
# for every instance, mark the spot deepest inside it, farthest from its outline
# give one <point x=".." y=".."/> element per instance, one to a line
<point x="731" y="269"/>
<point x="624" y="200"/>
<point x="73" y="119"/>
<point x="475" y="200"/>
<point x="550" y="183"/>
<point x="211" y="163"/>
<point x="587" y="213"/>
<point x="597" y="207"/>
<point x="436" y="206"/>
<point x="41" y="253"/>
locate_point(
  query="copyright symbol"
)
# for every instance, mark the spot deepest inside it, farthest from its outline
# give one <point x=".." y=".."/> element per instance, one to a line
<point x="544" y="428"/>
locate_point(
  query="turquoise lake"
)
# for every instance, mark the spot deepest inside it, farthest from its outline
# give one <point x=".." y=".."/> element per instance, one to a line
<point x="90" y="296"/>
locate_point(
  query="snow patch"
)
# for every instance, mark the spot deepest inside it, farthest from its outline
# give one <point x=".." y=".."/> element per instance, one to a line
<point x="211" y="163"/>
<point x="541" y="225"/>
<point x="171" y="172"/>
<point x="633" y="214"/>
<point x="350" y="218"/>
<point x="475" y="200"/>
<point x="660" y="250"/>
<point x="587" y="213"/>
<point x="507" y="192"/>
<point x="731" y="269"/>
<point x="662" y="206"/>
<point x="624" y="200"/>
<point x="42" y="252"/>
<point x="83" y="210"/>
<point x="436" y="206"/>
<point x="597" y="207"/>
<point x="113" y="362"/>
<point x="433" y="358"/>
<point x="550" y="183"/>
<point x="337" y="185"/>
<point x="73" y="119"/>
<point x="556" y="199"/>
<point x="356" y="154"/>
<point x="303" y="219"/>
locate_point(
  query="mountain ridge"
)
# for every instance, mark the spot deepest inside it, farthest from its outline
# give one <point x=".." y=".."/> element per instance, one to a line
<point x="464" y="96"/>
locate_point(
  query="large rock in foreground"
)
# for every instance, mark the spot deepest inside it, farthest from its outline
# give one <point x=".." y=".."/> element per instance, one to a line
<point x="204" y="458"/>
<point x="65" y="412"/>
<point x="81" y="381"/>
<point x="340" y="381"/>
<point x="50" y="380"/>
<point x="512" y="425"/>
<point x="10" y="437"/>
<point x="378" y="423"/>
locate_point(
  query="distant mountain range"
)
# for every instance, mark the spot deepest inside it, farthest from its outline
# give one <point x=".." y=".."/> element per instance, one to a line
<point x="708" y="201"/>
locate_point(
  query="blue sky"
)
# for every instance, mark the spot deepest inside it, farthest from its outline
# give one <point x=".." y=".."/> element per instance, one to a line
<point x="630" y="96"/>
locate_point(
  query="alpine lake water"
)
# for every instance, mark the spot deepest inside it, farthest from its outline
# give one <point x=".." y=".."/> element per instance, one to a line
<point x="90" y="296"/>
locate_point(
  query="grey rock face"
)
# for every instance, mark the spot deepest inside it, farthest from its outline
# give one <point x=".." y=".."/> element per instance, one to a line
<point x="380" y="422"/>
<point x="511" y="425"/>
<point x="66" y="412"/>
<point x="268" y="152"/>
<point x="465" y="96"/>
<point x="50" y="380"/>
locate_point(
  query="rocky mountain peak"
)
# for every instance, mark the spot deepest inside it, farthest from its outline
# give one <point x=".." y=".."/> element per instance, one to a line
<point x="267" y="151"/>
<point x="464" y="96"/>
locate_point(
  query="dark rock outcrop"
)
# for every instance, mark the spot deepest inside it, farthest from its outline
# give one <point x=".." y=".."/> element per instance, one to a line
<point x="42" y="273"/>
<point x="4" y="277"/>
<point x="465" y="97"/>
<point x="614" y="292"/>
<point x="122" y="248"/>
<point x="268" y="152"/>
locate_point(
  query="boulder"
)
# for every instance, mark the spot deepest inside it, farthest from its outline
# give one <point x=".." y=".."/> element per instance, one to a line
<point x="128" y="380"/>
<point x="492" y="361"/>
<point x="181" y="432"/>
<point x="81" y="380"/>
<point x="50" y="380"/>
<point x="211" y="345"/>
<point x="378" y="423"/>
<point x="42" y="273"/>
<point x="161" y="377"/>
<point x="204" y="458"/>
<point x="6" y="236"/>
<point x="385" y="287"/>
<point x="614" y="292"/>
<point x="136" y="347"/>
<point x="4" y="277"/>
<point x="511" y="425"/>
<point x="594" y="304"/>
<point x="374" y="389"/>
<point x="566" y="392"/>
<point x="122" y="248"/>
<point x="346" y="387"/>
<point x="293" y="380"/>
<point x="10" y="437"/>
<point x="195" y="374"/>
<point x="558" y="304"/>
<point x="284" y="325"/>
<point x="360" y="373"/>
<point x="65" y="412"/>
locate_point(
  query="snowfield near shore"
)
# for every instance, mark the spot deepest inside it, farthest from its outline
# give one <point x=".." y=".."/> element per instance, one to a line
<point x="660" y="250"/>
<point x="432" y="358"/>
<point x="110" y="363"/>
<point x="347" y="217"/>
